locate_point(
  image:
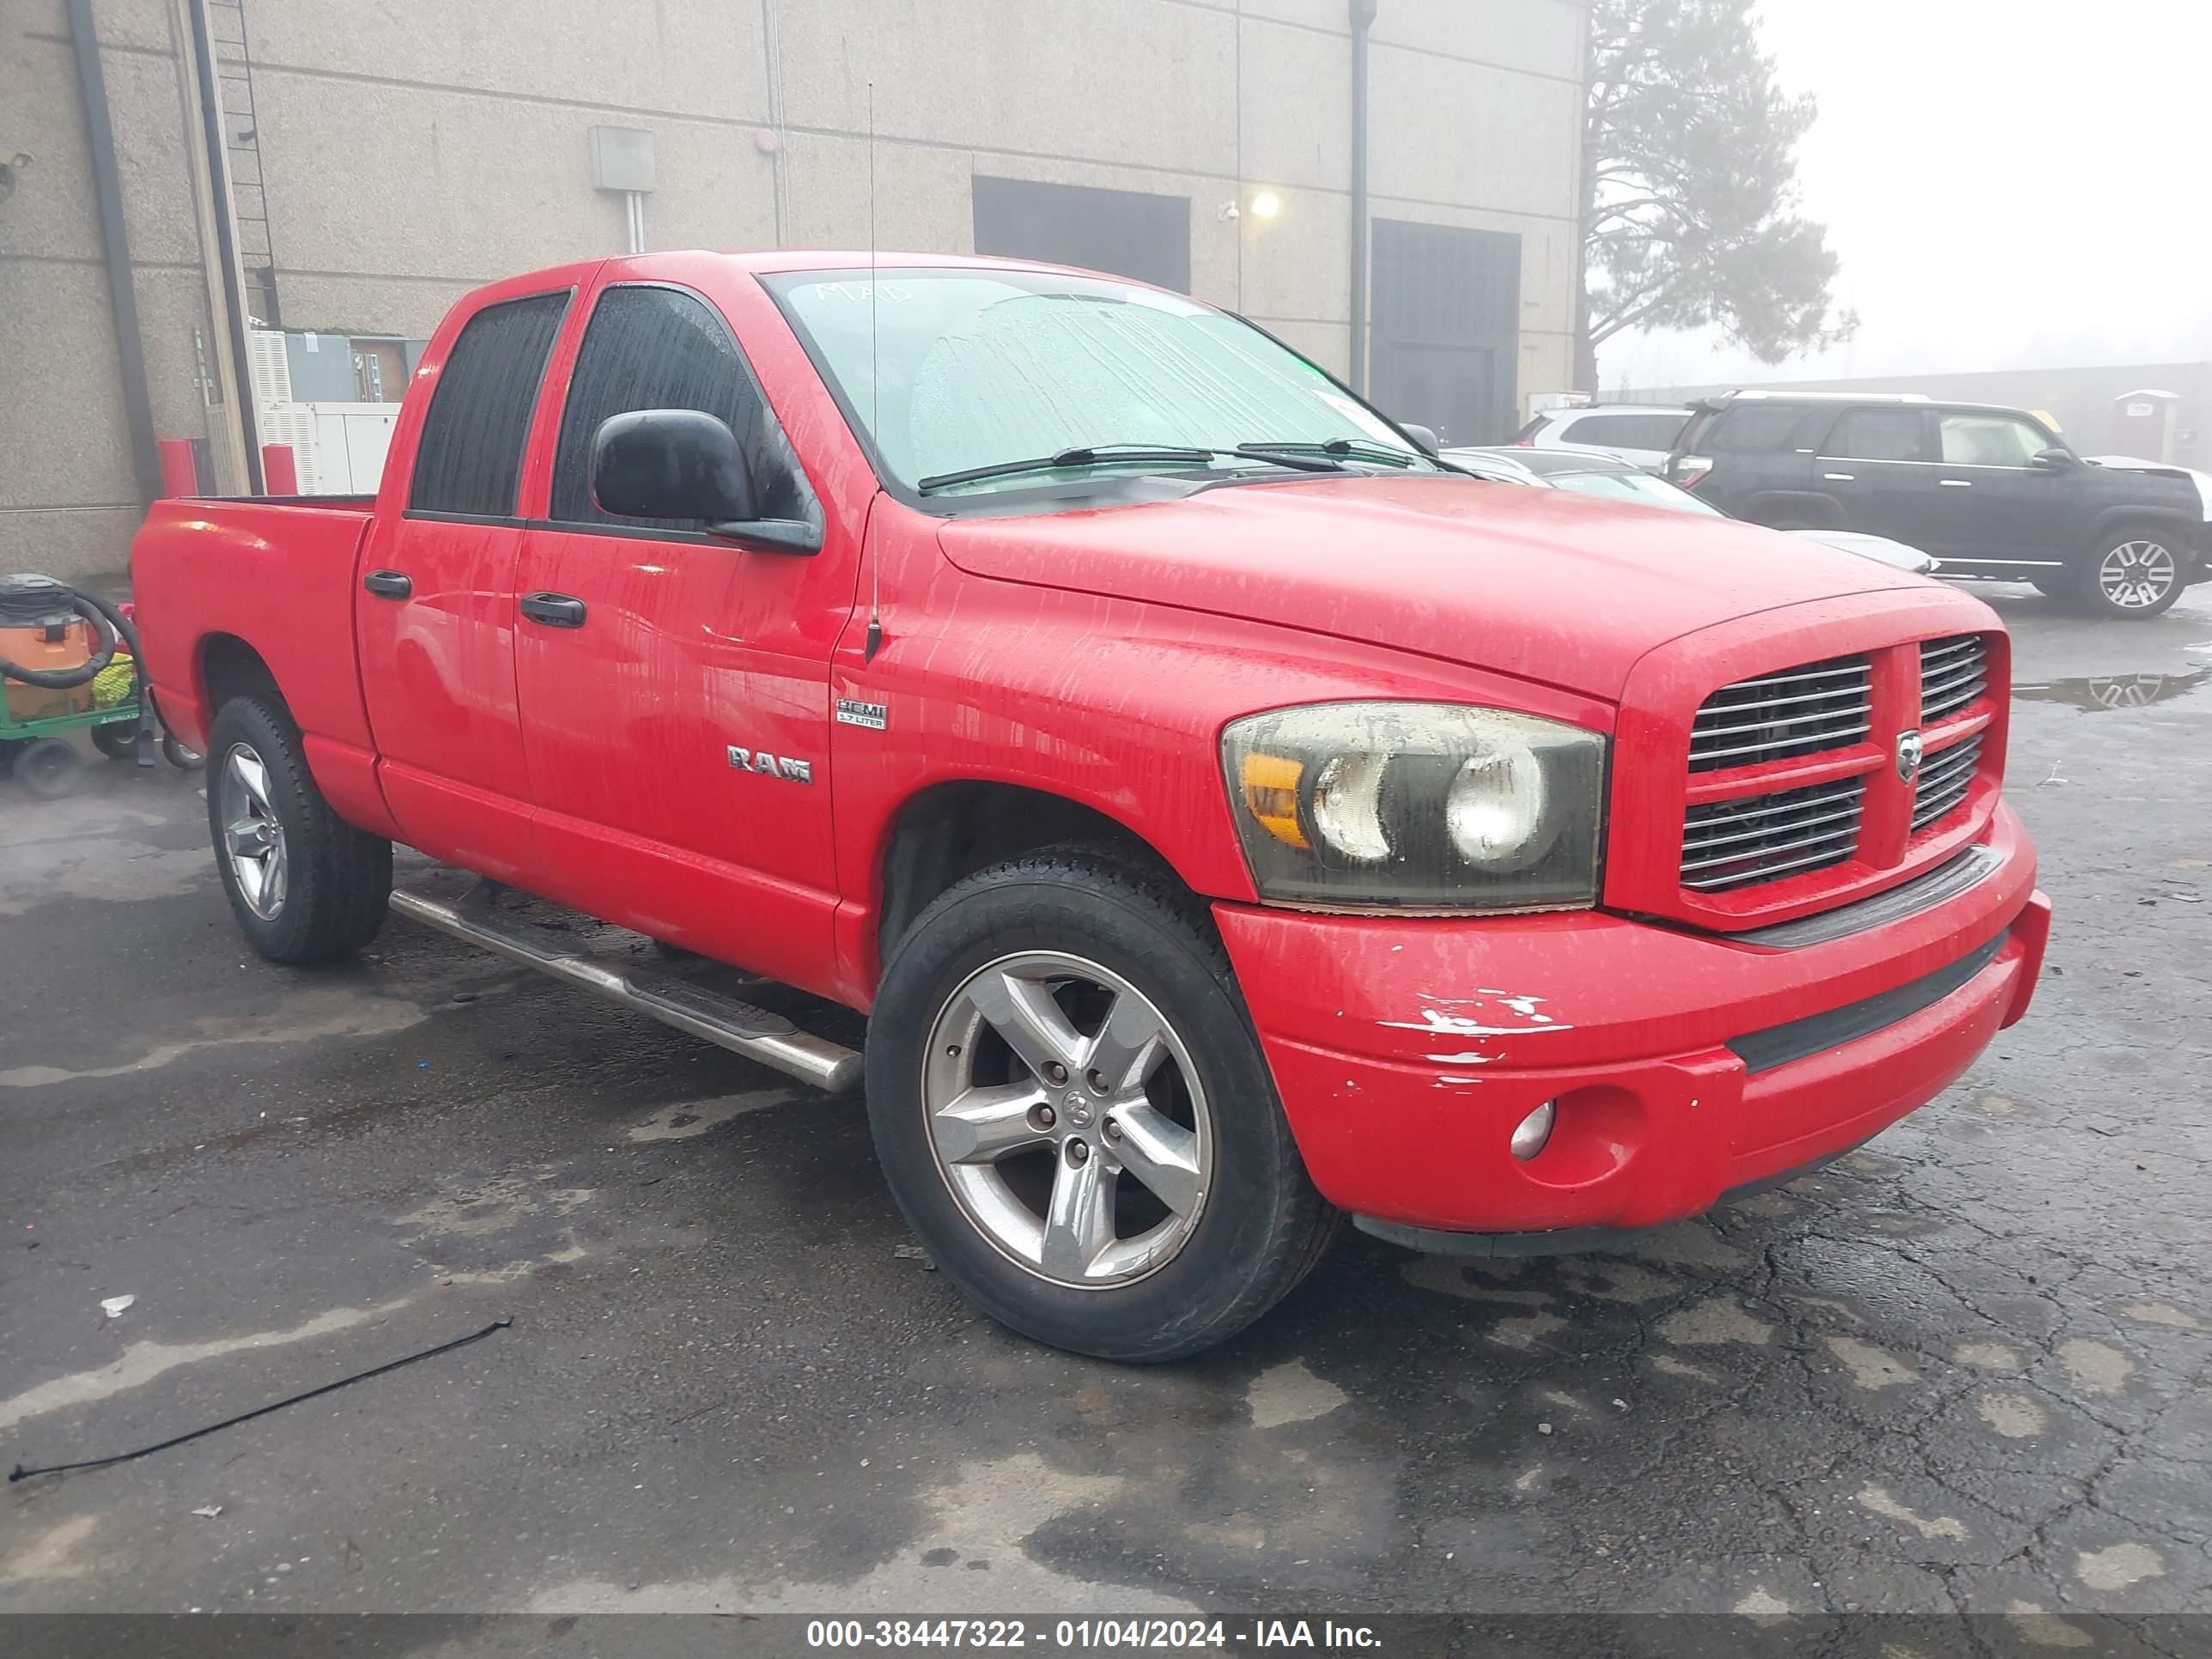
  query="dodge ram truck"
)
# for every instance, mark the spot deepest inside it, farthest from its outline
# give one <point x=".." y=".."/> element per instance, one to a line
<point x="1230" y="817"/>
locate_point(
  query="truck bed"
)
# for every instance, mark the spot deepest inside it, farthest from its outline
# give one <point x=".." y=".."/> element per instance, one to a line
<point x="277" y="571"/>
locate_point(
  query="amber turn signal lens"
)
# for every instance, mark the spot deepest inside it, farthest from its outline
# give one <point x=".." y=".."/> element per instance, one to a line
<point x="1271" y="794"/>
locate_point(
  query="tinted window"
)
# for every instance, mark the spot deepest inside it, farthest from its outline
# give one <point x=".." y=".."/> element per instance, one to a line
<point x="471" y="453"/>
<point x="1746" y="427"/>
<point x="1990" y="440"/>
<point x="1878" y="435"/>
<point x="656" y="348"/>
<point x="1657" y="431"/>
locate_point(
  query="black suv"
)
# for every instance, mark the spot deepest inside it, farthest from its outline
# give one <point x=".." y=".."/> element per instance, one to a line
<point x="1989" y="491"/>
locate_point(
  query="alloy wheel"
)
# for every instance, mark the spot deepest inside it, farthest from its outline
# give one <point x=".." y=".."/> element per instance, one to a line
<point x="2135" y="576"/>
<point x="1067" y="1119"/>
<point x="252" y="839"/>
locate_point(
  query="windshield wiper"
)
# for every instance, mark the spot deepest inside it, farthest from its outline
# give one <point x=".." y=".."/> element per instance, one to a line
<point x="1357" y="449"/>
<point x="1139" y="454"/>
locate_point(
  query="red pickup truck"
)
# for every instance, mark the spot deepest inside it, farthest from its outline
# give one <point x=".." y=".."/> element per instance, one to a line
<point x="1231" y="817"/>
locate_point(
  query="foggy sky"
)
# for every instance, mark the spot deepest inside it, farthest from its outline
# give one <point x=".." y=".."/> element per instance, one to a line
<point x="2010" y="184"/>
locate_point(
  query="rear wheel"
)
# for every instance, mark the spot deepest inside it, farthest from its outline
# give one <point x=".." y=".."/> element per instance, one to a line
<point x="1074" y="1115"/>
<point x="117" y="740"/>
<point x="304" y="885"/>
<point x="2136" y="571"/>
<point x="48" y="768"/>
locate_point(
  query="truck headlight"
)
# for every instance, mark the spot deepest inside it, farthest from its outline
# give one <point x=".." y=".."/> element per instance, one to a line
<point x="1417" y="806"/>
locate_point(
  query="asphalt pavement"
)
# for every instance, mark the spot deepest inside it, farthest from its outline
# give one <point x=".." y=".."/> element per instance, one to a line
<point x="1965" y="1368"/>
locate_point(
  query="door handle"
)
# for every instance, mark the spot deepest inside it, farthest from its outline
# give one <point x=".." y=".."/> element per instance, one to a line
<point x="1956" y="483"/>
<point x="554" y="610"/>
<point x="1841" y="477"/>
<point x="388" y="584"/>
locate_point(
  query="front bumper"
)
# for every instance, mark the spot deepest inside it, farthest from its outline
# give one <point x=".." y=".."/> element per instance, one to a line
<point x="1684" y="1064"/>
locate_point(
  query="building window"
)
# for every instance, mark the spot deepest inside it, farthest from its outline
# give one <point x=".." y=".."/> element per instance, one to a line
<point x="1125" y="233"/>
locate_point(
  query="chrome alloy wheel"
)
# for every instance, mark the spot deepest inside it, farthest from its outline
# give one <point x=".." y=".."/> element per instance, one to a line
<point x="2136" y="574"/>
<point x="252" y="839"/>
<point x="1067" y="1119"/>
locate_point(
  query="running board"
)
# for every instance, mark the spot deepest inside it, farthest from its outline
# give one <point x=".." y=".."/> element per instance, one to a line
<point x="755" y="1033"/>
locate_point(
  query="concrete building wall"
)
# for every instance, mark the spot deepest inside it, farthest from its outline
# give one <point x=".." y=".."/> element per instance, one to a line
<point x="406" y="151"/>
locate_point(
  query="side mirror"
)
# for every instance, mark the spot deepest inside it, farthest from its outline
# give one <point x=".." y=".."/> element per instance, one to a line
<point x="1425" y="438"/>
<point x="671" y="463"/>
<point x="2056" y="460"/>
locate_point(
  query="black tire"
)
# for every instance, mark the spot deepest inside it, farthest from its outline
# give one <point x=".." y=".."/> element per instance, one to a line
<point x="1261" y="1227"/>
<point x="117" y="740"/>
<point x="2159" y="559"/>
<point x="337" y="879"/>
<point x="48" y="768"/>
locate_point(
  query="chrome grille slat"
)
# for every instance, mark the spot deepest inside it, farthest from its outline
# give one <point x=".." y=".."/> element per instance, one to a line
<point x="1954" y="673"/>
<point x="1739" y="844"/>
<point x="1852" y="665"/>
<point x="1832" y="838"/>
<point x="1837" y="738"/>
<point x="1786" y="715"/>
<point x="1706" y="843"/>
<point x="1944" y="782"/>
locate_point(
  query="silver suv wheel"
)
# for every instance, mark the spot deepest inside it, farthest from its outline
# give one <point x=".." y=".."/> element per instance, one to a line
<point x="2135" y="575"/>
<point x="1067" y="1119"/>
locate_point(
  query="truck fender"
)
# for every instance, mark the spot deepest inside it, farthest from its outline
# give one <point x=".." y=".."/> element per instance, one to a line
<point x="2188" y="532"/>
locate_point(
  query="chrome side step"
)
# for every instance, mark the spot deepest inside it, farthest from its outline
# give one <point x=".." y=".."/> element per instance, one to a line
<point x="755" y="1033"/>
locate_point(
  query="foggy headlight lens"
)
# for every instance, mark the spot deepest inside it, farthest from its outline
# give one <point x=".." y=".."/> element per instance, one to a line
<point x="1347" y="806"/>
<point x="1497" y="812"/>
<point x="1431" y="806"/>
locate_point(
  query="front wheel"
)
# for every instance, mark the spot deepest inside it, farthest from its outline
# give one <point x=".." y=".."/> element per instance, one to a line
<point x="1074" y="1115"/>
<point x="2134" y="572"/>
<point x="304" y="885"/>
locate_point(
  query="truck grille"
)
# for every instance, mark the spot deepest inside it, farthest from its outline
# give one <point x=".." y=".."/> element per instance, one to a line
<point x="1795" y="711"/>
<point x="1735" y="843"/>
<point x="1943" y="781"/>
<point x="1952" y="674"/>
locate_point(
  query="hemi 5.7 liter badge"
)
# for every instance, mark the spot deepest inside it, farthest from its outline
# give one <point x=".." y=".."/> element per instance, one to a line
<point x="873" y="715"/>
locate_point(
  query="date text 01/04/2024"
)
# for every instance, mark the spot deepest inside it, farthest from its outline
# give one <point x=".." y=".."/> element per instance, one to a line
<point x="1088" y="1633"/>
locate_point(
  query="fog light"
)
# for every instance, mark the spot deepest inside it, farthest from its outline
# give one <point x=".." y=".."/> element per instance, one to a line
<point x="1534" y="1130"/>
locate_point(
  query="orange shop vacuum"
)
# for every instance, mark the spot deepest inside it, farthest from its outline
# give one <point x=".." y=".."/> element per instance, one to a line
<point x="69" y="663"/>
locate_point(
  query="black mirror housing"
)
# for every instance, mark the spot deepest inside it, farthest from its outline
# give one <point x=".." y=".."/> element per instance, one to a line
<point x="671" y="463"/>
<point x="1425" y="438"/>
<point x="2057" y="459"/>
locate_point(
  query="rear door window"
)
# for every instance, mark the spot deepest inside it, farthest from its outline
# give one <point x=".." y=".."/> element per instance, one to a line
<point x="1657" y="430"/>
<point x="1752" y="429"/>
<point x="469" y="457"/>
<point x="1983" y="440"/>
<point x="662" y="348"/>
<point x="1879" y="434"/>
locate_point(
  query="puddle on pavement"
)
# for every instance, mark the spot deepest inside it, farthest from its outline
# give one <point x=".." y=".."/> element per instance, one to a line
<point x="2113" y="690"/>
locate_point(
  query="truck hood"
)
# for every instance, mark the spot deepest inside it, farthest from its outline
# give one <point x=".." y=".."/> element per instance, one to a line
<point x="1539" y="584"/>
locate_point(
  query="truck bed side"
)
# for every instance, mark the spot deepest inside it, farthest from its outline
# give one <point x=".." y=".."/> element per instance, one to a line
<point x="221" y="584"/>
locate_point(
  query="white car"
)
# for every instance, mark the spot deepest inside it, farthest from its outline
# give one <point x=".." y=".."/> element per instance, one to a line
<point x="1642" y="433"/>
<point x="1587" y="474"/>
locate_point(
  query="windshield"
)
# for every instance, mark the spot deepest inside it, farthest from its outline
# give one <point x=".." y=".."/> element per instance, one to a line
<point x="1639" y="487"/>
<point x="980" y="368"/>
